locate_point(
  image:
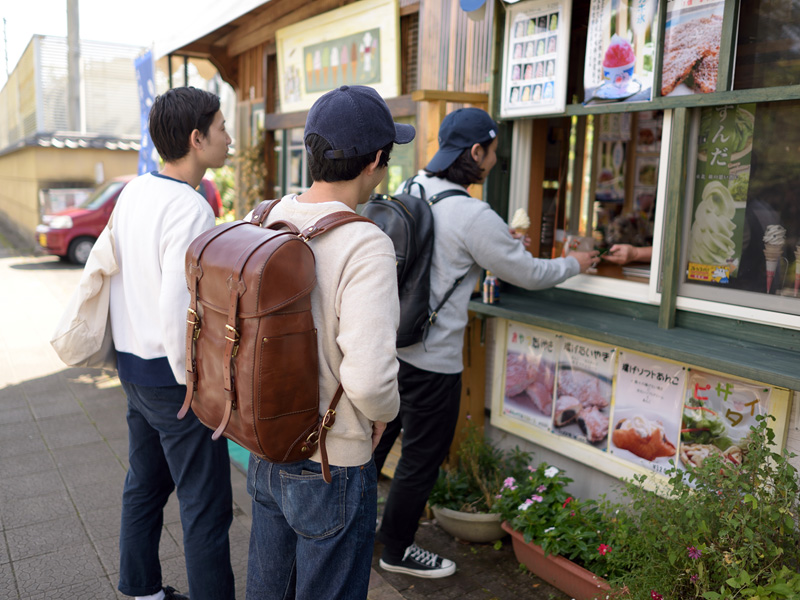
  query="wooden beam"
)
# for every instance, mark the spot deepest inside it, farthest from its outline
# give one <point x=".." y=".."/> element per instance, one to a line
<point x="409" y="9"/>
<point x="264" y="30"/>
<point x="402" y="106"/>
<point x="473" y="98"/>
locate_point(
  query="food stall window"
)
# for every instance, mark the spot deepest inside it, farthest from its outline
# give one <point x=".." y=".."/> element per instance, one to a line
<point x="614" y="188"/>
<point x="768" y="44"/>
<point x="742" y="218"/>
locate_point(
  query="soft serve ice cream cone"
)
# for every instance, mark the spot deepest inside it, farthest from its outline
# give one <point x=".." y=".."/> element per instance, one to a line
<point x="774" y="240"/>
<point x="520" y="222"/>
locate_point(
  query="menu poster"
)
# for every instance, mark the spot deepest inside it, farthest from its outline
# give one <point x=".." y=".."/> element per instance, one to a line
<point x="583" y="391"/>
<point x="722" y="179"/>
<point x="647" y="411"/>
<point x="535" y="58"/>
<point x="691" y="47"/>
<point x="718" y="412"/>
<point x="620" y="51"/>
<point x="530" y="375"/>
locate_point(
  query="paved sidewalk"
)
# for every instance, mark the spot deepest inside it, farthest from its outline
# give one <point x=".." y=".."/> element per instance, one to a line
<point x="63" y="458"/>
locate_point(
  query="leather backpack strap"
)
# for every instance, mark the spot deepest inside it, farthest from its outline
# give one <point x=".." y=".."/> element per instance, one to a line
<point x="325" y="424"/>
<point x="262" y="211"/>
<point x="332" y="221"/>
<point x="194" y="272"/>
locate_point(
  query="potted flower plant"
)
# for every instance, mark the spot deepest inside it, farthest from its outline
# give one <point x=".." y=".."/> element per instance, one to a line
<point x="563" y="540"/>
<point x="466" y="490"/>
<point x="722" y="529"/>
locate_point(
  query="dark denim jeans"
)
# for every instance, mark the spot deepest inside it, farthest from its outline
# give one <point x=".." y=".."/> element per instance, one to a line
<point x="165" y="454"/>
<point x="310" y="539"/>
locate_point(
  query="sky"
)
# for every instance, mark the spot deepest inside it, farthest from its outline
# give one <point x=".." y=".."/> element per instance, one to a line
<point x="134" y="22"/>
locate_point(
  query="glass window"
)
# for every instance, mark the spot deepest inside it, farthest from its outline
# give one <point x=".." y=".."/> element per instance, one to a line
<point x="768" y="44"/>
<point x="742" y="223"/>
<point x="617" y="173"/>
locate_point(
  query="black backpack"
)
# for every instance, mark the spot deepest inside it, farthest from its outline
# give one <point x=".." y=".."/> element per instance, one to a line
<point x="407" y="219"/>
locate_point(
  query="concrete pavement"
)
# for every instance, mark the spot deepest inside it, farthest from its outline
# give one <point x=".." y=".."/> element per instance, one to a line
<point x="63" y="458"/>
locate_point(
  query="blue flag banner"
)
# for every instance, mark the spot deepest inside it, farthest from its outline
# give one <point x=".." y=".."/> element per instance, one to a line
<point x="148" y="155"/>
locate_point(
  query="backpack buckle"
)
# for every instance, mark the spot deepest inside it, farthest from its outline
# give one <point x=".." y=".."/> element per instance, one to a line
<point x="194" y="323"/>
<point x="328" y="419"/>
<point x="234" y="339"/>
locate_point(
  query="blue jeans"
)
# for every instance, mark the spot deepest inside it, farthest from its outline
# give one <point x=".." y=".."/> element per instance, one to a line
<point x="164" y="454"/>
<point x="310" y="539"/>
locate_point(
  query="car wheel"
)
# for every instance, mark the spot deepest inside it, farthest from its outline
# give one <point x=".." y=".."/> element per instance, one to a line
<point x="79" y="250"/>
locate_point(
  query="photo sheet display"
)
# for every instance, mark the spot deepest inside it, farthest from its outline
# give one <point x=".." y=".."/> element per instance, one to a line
<point x="535" y="58"/>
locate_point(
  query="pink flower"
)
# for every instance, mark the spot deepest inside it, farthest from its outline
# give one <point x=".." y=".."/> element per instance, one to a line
<point x="541" y="488"/>
<point x="572" y="514"/>
<point x="693" y="578"/>
<point x="509" y="483"/>
<point x="536" y="498"/>
<point x="531" y="469"/>
<point x="469" y="417"/>
<point x="694" y="552"/>
<point x="567" y="501"/>
<point x="655" y="595"/>
<point x="604" y="549"/>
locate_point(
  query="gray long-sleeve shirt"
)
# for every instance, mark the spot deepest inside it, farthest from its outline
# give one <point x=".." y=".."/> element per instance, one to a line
<point x="470" y="236"/>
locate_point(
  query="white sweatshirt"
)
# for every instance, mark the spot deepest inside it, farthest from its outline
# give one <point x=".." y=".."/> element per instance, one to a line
<point x="155" y="220"/>
<point x="356" y="313"/>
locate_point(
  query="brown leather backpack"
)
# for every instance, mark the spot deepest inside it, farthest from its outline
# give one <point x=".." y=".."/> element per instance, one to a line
<point x="252" y="370"/>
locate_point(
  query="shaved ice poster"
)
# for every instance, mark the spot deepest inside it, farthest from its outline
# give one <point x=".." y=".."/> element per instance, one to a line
<point x="583" y="391"/>
<point x="530" y="374"/>
<point x="647" y="410"/>
<point x="620" y="51"/>
<point x="722" y="179"/>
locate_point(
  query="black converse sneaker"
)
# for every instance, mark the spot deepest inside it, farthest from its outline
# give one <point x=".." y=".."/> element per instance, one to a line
<point x="420" y="563"/>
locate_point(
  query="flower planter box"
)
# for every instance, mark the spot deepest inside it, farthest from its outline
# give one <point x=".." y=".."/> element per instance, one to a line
<point x="558" y="571"/>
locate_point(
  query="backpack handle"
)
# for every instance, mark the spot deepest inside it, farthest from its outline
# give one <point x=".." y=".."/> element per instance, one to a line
<point x="261" y="211"/>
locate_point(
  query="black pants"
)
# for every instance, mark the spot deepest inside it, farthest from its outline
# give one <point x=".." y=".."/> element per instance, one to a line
<point x="429" y="404"/>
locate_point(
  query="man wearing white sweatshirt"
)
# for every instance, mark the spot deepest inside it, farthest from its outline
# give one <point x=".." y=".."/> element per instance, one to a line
<point x="468" y="236"/>
<point x="156" y="217"/>
<point x="311" y="539"/>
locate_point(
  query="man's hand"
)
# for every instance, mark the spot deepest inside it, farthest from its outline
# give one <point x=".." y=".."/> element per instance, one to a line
<point x="378" y="427"/>
<point x="624" y="253"/>
<point x="586" y="259"/>
<point x="526" y="239"/>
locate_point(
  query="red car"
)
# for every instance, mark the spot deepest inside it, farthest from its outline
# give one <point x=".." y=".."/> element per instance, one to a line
<point x="71" y="233"/>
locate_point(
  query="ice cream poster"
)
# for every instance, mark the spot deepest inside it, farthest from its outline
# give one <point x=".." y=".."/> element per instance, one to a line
<point x="530" y="374"/>
<point x="583" y="391"/>
<point x="535" y="57"/>
<point x="718" y="412"/>
<point x="357" y="44"/>
<point x="692" y="35"/>
<point x="620" y="51"/>
<point x="722" y="178"/>
<point x="647" y="410"/>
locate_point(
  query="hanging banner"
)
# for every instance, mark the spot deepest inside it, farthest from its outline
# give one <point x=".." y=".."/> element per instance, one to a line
<point x="583" y="391"/>
<point x="535" y="58"/>
<point x="647" y="410"/>
<point x="722" y="178"/>
<point x="718" y="412"/>
<point x="148" y="155"/>
<point x="530" y="374"/>
<point x="620" y="51"/>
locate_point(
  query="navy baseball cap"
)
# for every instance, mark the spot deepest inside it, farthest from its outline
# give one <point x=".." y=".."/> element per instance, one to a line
<point x="461" y="129"/>
<point x="355" y="121"/>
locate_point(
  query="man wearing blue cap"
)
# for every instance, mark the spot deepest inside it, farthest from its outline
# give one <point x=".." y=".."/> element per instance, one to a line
<point x="310" y="539"/>
<point x="468" y="236"/>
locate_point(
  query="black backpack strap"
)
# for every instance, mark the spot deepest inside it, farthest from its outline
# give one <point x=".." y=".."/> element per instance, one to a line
<point x="446" y="194"/>
<point x="435" y="313"/>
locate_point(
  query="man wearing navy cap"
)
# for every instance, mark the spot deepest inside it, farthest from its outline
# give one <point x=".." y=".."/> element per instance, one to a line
<point x="468" y="236"/>
<point x="310" y="539"/>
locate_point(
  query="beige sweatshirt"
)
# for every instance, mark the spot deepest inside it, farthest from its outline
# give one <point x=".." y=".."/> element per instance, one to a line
<point x="356" y="313"/>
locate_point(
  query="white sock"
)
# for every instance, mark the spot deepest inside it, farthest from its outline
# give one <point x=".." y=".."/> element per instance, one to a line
<point x="159" y="595"/>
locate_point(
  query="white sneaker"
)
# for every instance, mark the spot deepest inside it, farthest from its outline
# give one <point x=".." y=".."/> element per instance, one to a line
<point x="420" y="563"/>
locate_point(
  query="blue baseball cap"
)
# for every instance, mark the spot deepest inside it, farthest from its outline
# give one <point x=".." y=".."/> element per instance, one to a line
<point x="355" y="121"/>
<point x="461" y="129"/>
